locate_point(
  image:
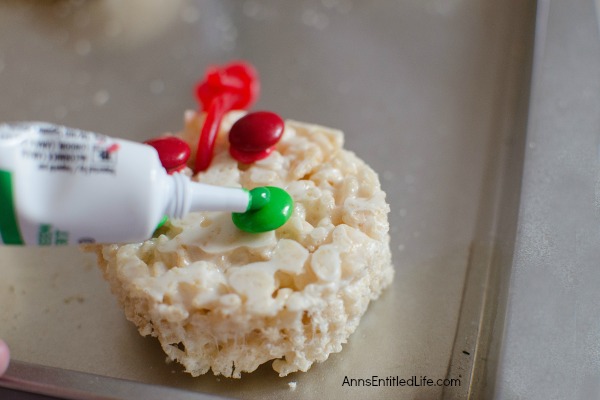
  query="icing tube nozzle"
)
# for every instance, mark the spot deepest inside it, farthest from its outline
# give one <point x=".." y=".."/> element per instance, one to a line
<point x="193" y="196"/>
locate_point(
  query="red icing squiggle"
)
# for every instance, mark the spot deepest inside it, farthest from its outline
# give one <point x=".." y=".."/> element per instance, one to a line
<point x="234" y="86"/>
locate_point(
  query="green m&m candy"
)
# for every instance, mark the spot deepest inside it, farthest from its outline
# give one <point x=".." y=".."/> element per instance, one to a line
<point x="270" y="207"/>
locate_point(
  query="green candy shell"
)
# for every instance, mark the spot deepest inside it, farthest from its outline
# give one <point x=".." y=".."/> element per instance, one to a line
<point x="162" y="222"/>
<point x="260" y="197"/>
<point x="274" y="214"/>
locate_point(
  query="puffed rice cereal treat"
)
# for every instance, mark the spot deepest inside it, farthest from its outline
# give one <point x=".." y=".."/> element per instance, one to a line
<point x="223" y="299"/>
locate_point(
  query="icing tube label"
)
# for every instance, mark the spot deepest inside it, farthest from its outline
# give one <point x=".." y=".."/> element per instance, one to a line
<point x="56" y="148"/>
<point x="9" y="228"/>
<point x="53" y="181"/>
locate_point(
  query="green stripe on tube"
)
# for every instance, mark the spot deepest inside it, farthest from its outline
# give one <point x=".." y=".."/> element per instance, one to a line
<point x="9" y="229"/>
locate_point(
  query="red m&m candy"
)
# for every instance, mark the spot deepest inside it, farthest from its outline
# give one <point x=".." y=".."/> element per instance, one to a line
<point x="172" y="152"/>
<point x="254" y="136"/>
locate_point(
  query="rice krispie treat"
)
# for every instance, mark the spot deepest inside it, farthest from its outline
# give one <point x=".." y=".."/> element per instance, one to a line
<point x="219" y="298"/>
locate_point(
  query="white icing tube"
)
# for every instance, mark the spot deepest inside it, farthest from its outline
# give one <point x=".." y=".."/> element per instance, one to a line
<point x="66" y="186"/>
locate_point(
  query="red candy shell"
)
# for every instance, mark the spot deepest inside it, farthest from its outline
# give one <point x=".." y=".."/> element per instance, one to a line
<point x="172" y="151"/>
<point x="256" y="132"/>
<point x="249" y="158"/>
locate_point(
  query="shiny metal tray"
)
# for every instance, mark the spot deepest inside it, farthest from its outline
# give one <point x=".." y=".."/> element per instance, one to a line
<point x="433" y="94"/>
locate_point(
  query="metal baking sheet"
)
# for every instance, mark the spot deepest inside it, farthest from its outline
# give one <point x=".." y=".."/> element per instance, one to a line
<point x="432" y="94"/>
<point x="552" y="328"/>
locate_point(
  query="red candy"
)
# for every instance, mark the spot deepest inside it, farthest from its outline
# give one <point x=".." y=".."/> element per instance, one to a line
<point x="253" y="136"/>
<point x="172" y="152"/>
<point x="249" y="158"/>
<point x="233" y="86"/>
